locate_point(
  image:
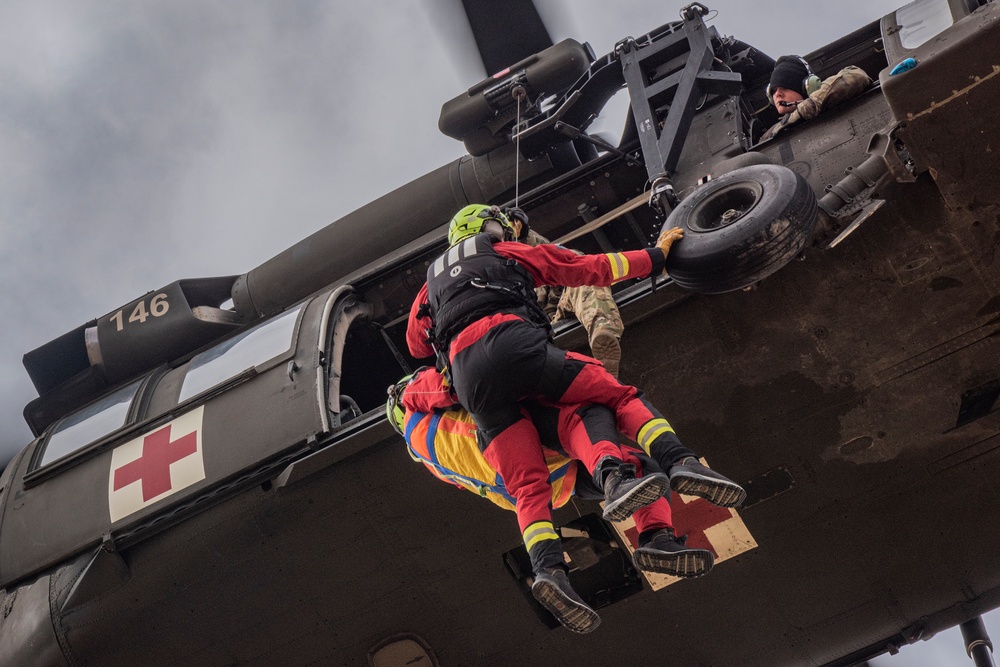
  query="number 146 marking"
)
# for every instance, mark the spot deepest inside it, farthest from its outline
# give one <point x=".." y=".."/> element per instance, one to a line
<point x="158" y="307"/>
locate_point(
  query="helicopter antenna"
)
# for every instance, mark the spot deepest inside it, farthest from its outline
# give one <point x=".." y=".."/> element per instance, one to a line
<point x="519" y="93"/>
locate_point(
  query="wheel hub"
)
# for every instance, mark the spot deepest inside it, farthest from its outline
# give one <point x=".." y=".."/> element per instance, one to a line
<point x="730" y="216"/>
<point x="725" y="207"/>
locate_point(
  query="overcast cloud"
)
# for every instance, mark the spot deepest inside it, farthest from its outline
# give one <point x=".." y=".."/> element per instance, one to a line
<point x="144" y="142"/>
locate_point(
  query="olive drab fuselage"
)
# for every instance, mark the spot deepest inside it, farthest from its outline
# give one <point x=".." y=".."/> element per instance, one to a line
<point x="855" y="390"/>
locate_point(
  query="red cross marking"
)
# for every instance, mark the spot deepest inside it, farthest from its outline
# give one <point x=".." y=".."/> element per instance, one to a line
<point x="153" y="467"/>
<point x="691" y="519"/>
<point x="694" y="518"/>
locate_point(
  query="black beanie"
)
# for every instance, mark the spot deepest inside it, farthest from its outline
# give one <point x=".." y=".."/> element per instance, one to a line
<point x="790" y="73"/>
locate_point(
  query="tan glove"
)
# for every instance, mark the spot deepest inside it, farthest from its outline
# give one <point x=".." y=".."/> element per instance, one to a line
<point x="516" y="224"/>
<point x="667" y="239"/>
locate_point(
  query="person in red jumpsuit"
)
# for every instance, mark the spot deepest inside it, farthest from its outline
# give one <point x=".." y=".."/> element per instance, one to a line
<point x="436" y="430"/>
<point x="478" y="314"/>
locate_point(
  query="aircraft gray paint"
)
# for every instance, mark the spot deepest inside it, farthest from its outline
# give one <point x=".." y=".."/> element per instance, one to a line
<point x="836" y="416"/>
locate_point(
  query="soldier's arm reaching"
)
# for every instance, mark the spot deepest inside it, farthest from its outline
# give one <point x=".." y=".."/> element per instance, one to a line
<point x="845" y="85"/>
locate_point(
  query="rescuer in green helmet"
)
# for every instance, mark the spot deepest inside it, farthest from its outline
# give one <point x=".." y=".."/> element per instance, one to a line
<point x="478" y="314"/>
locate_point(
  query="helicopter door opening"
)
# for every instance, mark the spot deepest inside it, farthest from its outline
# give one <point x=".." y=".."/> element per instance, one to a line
<point x="363" y="361"/>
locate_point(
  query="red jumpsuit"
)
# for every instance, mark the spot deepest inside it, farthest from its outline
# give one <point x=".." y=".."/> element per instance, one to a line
<point x="499" y="355"/>
<point x="584" y="433"/>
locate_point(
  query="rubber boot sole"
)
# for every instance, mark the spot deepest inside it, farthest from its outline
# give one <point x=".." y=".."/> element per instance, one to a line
<point x="687" y="563"/>
<point x="722" y="493"/>
<point x="606" y="349"/>
<point x="574" y="616"/>
<point x="648" y="490"/>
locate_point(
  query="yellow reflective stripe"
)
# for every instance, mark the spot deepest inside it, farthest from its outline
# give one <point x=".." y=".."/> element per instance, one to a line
<point x="614" y="259"/>
<point x="617" y="265"/>
<point x="538" y="531"/>
<point x="653" y="429"/>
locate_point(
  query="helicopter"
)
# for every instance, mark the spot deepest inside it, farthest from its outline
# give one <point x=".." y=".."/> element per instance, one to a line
<point x="853" y="391"/>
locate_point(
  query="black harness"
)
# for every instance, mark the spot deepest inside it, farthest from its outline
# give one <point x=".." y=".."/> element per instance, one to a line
<point x="472" y="280"/>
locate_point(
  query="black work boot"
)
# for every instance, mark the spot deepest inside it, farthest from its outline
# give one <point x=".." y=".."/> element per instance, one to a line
<point x="553" y="590"/>
<point x="623" y="492"/>
<point x="690" y="477"/>
<point x="664" y="553"/>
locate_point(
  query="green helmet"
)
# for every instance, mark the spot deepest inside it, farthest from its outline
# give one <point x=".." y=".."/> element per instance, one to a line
<point x="471" y="219"/>
<point x="393" y="409"/>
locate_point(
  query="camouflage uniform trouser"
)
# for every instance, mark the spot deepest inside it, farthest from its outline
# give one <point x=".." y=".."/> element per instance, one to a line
<point x="598" y="313"/>
<point x="593" y="306"/>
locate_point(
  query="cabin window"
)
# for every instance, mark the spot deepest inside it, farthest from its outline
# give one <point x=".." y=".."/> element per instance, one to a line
<point x="240" y="353"/>
<point x="89" y="424"/>
<point x="921" y="20"/>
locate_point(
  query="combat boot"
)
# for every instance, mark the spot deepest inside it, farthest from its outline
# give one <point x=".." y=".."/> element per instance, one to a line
<point x="663" y="553"/>
<point x="690" y="477"/>
<point x="553" y="590"/>
<point x="623" y="492"/>
<point x="607" y="349"/>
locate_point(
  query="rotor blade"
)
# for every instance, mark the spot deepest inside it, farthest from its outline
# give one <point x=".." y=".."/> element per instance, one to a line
<point x="506" y="31"/>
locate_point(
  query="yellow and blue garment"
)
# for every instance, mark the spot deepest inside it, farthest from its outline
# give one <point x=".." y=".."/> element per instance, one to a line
<point x="445" y="442"/>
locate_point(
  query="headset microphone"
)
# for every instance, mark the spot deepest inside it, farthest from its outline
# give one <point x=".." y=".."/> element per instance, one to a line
<point x="810" y="84"/>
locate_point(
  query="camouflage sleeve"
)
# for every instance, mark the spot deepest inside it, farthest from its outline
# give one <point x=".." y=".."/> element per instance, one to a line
<point x="548" y="297"/>
<point x="534" y="238"/>
<point x="845" y="85"/>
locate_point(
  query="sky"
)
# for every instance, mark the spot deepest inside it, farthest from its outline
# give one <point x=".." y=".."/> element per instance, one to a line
<point x="145" y="142"/>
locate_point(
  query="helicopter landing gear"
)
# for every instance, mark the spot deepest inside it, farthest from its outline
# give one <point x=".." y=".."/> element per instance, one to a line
<point x="740" y="228"/>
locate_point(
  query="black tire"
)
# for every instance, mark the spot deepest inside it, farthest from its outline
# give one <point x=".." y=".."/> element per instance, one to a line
<point x="741" y="228"/>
